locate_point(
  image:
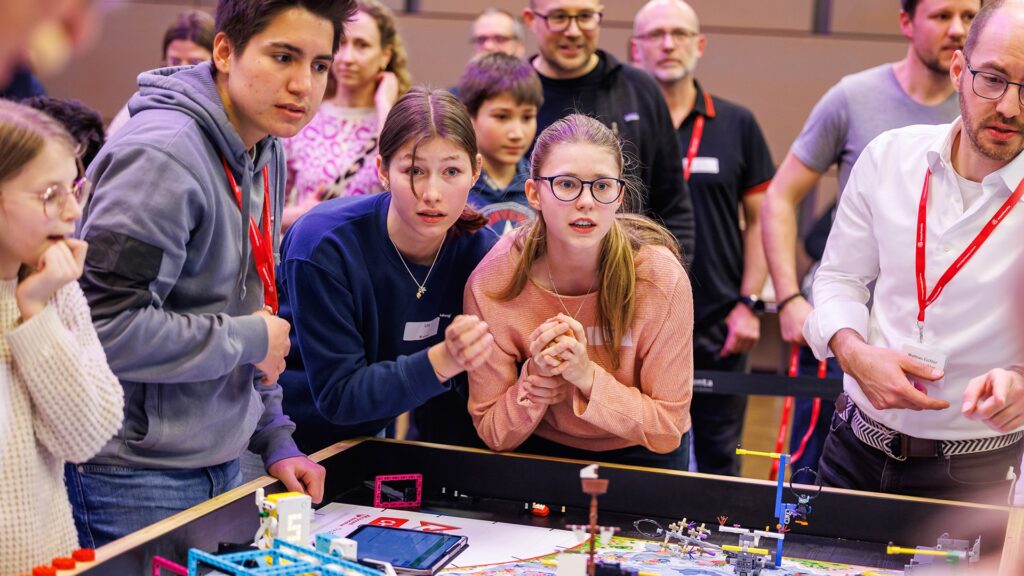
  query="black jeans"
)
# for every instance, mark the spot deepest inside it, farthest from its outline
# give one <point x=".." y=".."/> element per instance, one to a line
<point x="717" y="419"/>
<point x="717" y="431"/>
<point x="846" y="462"/>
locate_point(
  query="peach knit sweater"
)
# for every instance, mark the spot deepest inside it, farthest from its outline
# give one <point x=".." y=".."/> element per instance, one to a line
<point x="58" y="402"/>
<point x="646" y="401"/>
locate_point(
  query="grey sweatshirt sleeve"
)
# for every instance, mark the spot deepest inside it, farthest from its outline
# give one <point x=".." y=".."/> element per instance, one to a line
<point x="147" y="210"/>
<point x="273" y="437"/>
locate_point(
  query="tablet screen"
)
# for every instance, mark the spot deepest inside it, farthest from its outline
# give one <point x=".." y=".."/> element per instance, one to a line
<point x="409" y="549"/>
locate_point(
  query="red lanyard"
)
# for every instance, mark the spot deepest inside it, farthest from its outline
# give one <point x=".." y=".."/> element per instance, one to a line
<point x="262" y="242"/>
<point x="924" y="299"/>
<point x="691" y="152"/>
<point x="696" y="135"/>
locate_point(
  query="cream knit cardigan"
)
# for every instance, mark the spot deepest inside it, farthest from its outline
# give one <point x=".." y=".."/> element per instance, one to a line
<point x="59" y="402"/>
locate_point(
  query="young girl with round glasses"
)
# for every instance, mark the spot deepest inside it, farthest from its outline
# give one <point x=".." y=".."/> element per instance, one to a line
<point x="591" y="314"/>
<point x="59" y="400"/>
<point x="374" y="286"/>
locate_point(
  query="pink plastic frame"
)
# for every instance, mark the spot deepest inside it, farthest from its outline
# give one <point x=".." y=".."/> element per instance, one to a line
<point x="160" y="564"/>
<point x="379" y="481"/>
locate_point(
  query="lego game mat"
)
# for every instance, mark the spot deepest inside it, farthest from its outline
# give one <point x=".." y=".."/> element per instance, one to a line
<point x="503" y="549"/>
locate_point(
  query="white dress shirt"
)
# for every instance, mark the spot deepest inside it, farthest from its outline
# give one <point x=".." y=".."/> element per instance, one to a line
<point x="977" y="320"/>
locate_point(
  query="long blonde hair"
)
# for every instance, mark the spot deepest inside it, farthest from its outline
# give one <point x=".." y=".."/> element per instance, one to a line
<point x="629" y="232"/>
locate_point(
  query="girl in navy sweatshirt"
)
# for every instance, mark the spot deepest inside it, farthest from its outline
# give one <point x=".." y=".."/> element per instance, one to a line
<point x="373" y="288"/>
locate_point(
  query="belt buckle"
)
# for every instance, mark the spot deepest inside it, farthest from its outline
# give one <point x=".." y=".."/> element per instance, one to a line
<point x="911" y="447"/>
<point x="902" y="444"/>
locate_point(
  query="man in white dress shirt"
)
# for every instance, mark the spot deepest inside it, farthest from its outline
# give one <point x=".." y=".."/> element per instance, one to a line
<point x="931" y="213"/>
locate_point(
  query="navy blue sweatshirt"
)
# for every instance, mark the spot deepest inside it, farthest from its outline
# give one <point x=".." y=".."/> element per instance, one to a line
<point x="359" y="334"/>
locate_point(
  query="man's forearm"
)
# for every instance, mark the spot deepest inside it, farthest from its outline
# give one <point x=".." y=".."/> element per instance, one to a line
<point x="755" y="267"/>
<point x="778" y="217"/>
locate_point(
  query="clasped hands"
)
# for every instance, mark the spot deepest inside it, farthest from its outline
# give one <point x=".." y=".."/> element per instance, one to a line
<point x="558" y="361"/>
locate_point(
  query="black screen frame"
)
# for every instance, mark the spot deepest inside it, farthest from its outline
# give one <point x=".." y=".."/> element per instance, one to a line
<point x="457" y="544"/>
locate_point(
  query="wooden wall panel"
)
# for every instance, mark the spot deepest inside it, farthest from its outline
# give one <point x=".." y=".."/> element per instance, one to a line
<point x="866" y="17"/>
<point x="471" y="9"/>
<point x="129" y="43"/>
<point x="791" y="15"/>
<point x="783" y="15"/>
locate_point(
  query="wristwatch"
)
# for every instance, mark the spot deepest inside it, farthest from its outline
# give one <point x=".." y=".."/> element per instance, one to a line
<point x="753" y="302"/>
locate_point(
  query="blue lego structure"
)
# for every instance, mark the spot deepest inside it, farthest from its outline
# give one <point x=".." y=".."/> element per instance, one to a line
<point x="282" y="559"/>
<point x="785" y="512"/>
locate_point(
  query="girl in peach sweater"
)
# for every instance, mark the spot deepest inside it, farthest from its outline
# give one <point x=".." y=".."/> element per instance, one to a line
<point x="591" y="313"/>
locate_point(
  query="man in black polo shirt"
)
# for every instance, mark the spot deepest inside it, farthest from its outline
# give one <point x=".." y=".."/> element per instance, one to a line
<point x="727" y="165"/>
<point x="577" y="77"/>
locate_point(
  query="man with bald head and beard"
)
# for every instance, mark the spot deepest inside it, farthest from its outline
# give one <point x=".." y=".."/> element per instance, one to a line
<point x="934" y="387"/>
<point x="727" y="165"/>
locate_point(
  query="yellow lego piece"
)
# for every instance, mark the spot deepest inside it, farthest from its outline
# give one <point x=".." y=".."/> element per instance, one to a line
<point x="761" y="551"/>
<point x="745" y="452"/>
<point x="952" y="554"/>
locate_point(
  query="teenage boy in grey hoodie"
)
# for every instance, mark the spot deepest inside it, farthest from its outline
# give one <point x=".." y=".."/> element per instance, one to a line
<point x="180" y="268"/>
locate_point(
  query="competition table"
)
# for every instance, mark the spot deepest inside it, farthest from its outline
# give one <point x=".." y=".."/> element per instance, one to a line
<point x="846" y="526"/>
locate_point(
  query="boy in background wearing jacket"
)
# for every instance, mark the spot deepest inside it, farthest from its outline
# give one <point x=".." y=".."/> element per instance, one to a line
<point x="502" y="94"/>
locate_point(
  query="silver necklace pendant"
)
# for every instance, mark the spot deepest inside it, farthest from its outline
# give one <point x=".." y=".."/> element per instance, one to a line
<point x="421" y="289"/>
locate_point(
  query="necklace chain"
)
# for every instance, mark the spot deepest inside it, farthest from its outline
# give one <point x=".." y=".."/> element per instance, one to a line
<point x="421" y="288"/>
<point x="551" y="279"/>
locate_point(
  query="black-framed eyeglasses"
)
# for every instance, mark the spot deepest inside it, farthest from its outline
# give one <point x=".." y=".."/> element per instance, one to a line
<point x="558" y="21"/>
<point x="568" y="188"/>
<point x="495" y="39"/>
<point x="678" y="35"/>
<point x="992" y="86"/>
<point x="55" y="196"/>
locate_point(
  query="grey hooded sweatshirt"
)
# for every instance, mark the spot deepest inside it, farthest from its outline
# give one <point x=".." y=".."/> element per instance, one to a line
<point x="171" y="280"/>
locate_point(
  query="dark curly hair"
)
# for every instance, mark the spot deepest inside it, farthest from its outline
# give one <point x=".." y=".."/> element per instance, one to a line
<point x="83" y="123"/>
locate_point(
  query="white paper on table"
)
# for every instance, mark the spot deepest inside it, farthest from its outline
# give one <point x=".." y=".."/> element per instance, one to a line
<point x="489" y="542"/>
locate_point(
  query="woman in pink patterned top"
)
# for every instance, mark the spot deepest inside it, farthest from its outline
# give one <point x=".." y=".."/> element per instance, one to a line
<point x="335" y="154"/>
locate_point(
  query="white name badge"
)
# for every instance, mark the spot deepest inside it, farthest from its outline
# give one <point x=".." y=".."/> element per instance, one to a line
<point x="704" y="165"/>
<point x="926" y="354"/>
<point x="415" y="331"/>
